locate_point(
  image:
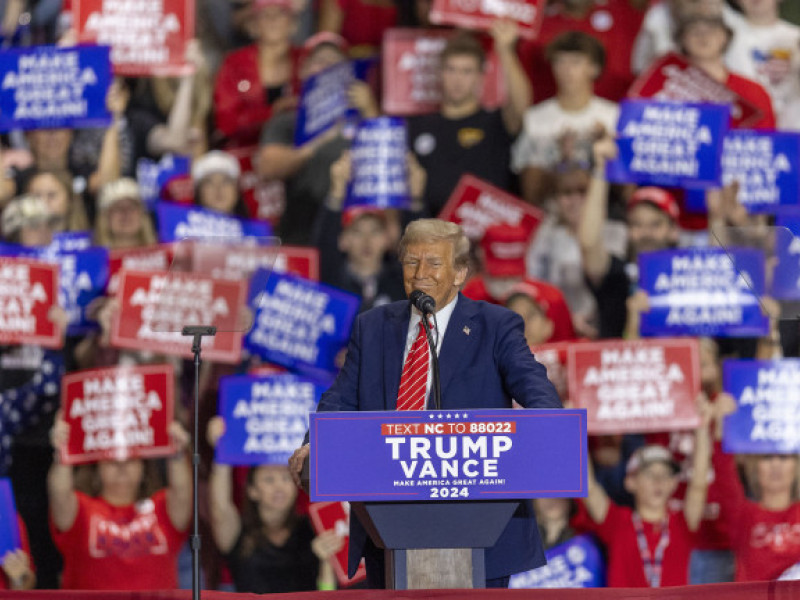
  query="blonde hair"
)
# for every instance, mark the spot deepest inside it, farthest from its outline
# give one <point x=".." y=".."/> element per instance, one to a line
<point x="426" y="231"/>
<point x="76" y="219"/>
<point x="102" y="230"/>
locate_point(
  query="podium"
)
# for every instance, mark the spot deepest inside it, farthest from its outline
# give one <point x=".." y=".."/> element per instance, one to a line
<point x="435" y="489"/>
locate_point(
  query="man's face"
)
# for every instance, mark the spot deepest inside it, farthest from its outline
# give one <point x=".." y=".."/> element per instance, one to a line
<point x="462" y="79"/>
<point x="429" y="268"/>
<point x="650" y="229"/>
<point x="574" y="71"/>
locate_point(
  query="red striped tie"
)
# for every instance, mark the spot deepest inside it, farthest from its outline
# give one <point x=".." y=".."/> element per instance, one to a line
<point x="413" y="382"/>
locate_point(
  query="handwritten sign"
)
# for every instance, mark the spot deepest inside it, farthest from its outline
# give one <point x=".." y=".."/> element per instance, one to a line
<point x="266" y="418"/>
<point x="703" y="291"/>
<point x="669" y="144"/>
<point x="767" y="393"/>
<point x="154" y="308"/>
<point x="635" y="386"/>
<point x="477" y="205"/>
<point x="48" y="87"/>
<point x="117" y="413"/>
<point x="28" y="292"/>
<point x="147" y="37"/>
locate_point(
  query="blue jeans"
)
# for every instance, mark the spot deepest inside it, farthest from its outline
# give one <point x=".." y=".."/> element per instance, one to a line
<point x="711" y="566"/>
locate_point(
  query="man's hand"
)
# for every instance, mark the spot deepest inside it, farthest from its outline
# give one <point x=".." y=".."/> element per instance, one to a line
<point x="296" y="462"/>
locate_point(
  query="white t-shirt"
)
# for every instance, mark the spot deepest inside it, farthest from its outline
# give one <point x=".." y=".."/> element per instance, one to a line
<point x="544" y="124"/>
<point x="770" y="55"/>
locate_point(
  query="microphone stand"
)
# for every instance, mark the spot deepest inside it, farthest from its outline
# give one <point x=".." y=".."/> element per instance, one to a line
<point x="436" y="384"/>
<point x="197" y="331"/>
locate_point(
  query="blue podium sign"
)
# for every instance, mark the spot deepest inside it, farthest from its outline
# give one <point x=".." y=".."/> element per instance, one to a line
<point x="448" y="455"/>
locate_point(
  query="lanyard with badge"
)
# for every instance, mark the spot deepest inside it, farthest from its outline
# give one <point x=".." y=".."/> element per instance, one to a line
<point x="653" y="566"/>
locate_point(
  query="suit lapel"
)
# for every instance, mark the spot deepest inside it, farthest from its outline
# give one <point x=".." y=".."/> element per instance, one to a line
<point x="459" y="338"/>
<point x="395" y="329"/>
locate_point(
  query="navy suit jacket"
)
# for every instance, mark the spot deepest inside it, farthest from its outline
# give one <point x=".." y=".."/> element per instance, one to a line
<point x="484" y="362"/>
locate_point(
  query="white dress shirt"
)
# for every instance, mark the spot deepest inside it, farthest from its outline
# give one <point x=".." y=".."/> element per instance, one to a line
<point x="442" y="318"/>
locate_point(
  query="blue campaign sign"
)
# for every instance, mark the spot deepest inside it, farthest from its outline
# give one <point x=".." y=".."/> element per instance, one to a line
<point x="323" y="99"/>
<point x="577" y="563"/>
<point x="299" y="324"/>
<point x="448" y="455"/>
<point x="152" y="176"/>
<point x="669" y="143"/>
<point x="70" y="241"/>
<point x="9" y="529"/>
<point x="703" y="291"/>
<point x="767" y="393"/>
<point x="83" y="277"/>
<point x="49" y="87"/>
<point x="176" y="222"/>
<point x="785" y="283"/>
<point x="379" y="173"/>
<point x="266" y="417"/>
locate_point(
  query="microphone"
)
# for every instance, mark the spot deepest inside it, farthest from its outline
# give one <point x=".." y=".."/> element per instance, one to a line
<point x="424" y="303"/>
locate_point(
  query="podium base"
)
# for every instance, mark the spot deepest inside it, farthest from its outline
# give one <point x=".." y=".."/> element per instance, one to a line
<point x="435" y="568"/>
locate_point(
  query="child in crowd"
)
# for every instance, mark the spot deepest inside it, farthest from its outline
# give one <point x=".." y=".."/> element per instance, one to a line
<point x="650" y="545"/>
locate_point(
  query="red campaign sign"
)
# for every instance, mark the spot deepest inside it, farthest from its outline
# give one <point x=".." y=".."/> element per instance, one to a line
<point x="672" y="77"/>
<point x="150" y="258"/>
<point x="28" y="291"/>
<point x="410" y="67"/>
<point x="118" y="413"/>
<point x="635" y="386"/>
<point x="154" y="308"/>
<point x="147" y="37"/>
<point x="240" y="262"/>
<point x="480" y="14"/>
<point x="476" y="205"/>
<point x="327" y="516"/>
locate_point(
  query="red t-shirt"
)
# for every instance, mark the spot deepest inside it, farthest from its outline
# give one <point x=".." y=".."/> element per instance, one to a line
<point x="755" y="94"/>
<point x="131" y="547"/>
<point x="614" y="23"/>
<point x="5" y="584"/>
<point x="625" y="563"/>
<point x="765" y="542"/>
<point x="364" y="22"/>
<point x="713" y="533"/>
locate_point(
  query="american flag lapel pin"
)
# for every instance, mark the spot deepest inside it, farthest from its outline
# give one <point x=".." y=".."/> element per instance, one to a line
<point x="466" y="329"/>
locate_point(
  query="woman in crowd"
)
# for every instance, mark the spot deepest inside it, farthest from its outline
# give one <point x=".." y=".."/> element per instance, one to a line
<point x="256" y="81"/>
<point x="122" y="537"/>
<point x="216" y="181"/>
<point x="269" y="547"/>
<point x="65" y="207"/>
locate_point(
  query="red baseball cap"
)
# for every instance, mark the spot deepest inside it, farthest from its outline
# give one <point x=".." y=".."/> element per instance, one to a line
<point x="504" y="249"/>
<point x="353" y="213"/>
<point x="550" y="299"/>
<point x="658" y="197"/>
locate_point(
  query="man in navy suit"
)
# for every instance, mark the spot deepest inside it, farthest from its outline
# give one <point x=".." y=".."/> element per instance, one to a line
<point x="484" y="362"/>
